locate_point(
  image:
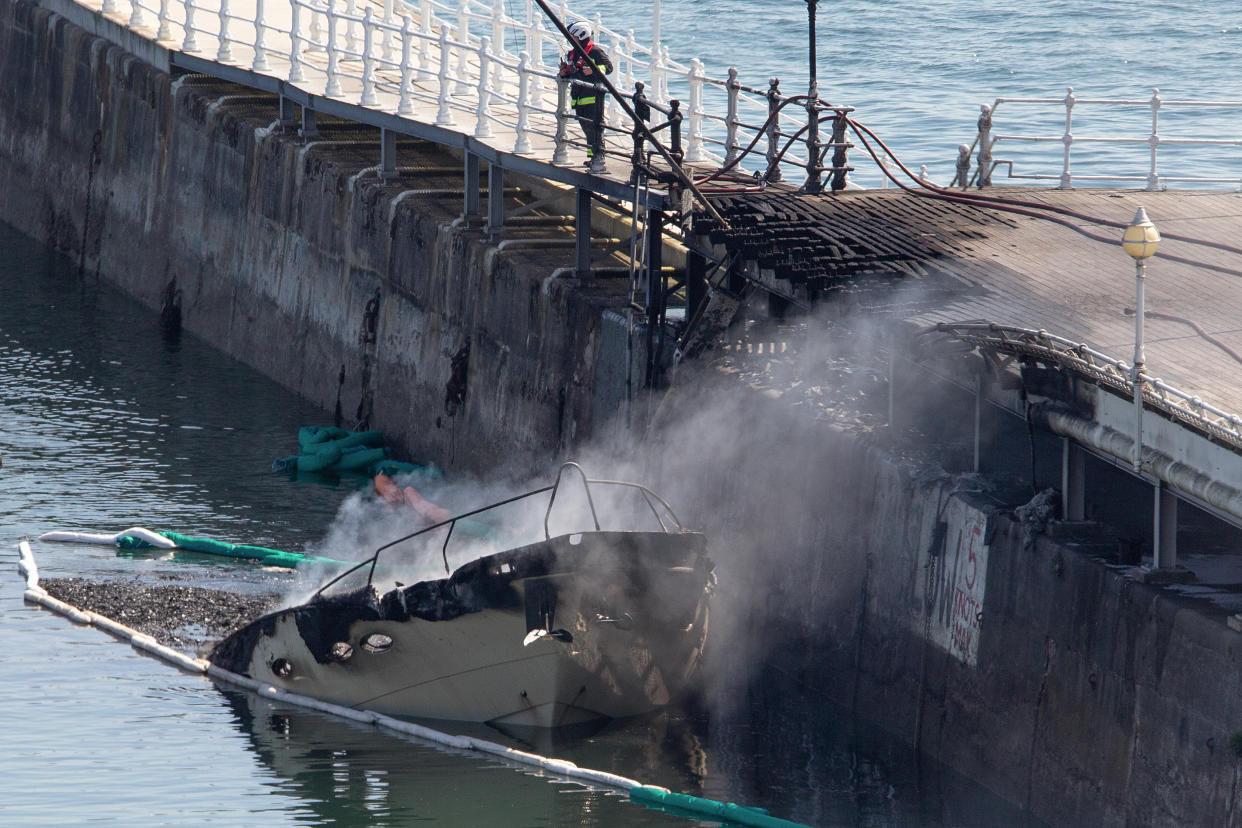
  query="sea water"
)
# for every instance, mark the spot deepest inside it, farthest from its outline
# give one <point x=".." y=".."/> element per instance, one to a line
<point x="917" y="71"/>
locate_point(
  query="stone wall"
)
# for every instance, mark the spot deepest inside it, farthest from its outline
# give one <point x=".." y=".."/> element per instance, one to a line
<point x="292" y="258"/>
<point x="1093" y="699"/>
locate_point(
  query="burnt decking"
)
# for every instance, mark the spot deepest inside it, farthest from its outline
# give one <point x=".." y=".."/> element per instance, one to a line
<point x="945" y="260"/>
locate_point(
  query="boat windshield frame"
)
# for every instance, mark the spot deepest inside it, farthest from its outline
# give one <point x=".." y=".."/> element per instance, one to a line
<point x="650" y="497"/>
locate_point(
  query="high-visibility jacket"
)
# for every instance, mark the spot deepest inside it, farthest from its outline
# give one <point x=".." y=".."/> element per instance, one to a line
<point x="582" y="87"/>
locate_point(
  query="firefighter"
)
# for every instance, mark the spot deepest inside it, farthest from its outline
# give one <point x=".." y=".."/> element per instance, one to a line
<point x="587" y="100"/>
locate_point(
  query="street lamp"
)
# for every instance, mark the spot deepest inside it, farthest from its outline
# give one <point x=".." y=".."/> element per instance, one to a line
<point x="813" y="146"/>
<point x="1139" y="240"/>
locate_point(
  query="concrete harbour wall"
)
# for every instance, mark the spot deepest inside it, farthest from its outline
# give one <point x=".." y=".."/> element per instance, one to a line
<point x="299" y="260"/>
<point x="1004" y="646"/>
<point x="1034" y="666"/>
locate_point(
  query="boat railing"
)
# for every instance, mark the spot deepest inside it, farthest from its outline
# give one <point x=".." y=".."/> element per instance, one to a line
<point x="667" y="521"/>
<point x="1112" y="117"/>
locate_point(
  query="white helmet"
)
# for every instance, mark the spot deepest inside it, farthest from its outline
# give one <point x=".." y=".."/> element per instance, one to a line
<point x="581" y="30"/>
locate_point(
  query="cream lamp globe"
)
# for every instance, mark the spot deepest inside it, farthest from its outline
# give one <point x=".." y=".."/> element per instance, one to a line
<point x="1141" y="237"/>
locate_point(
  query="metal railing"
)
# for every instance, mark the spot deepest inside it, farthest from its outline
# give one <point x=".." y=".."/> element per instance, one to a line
<point x="1104" y="370"/>
<point x="1146" y="135"/>
<point x="471" y="62"/>
<point x="668" y="522"/>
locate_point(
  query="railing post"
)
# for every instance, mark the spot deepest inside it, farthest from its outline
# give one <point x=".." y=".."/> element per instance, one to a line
<point x="962" y="177"/>
<point x="538" y="35"/>
<point x="631" y="48"/>
<point x="295" y="43"/>
<point x="694" y="144"/>
<point x="190" y="44"/>
<point x="674" y="130"/>
<point x="332" y="88"/>
<point x="351" y="28"/>
<point x="463" y="69"/>
<point x="425" y="39"/>
<point x="388" y="26"/>
<point x="985" y="146"/>
<point x="642" y="112"/>
<point x="533" y="44"/>
<point x="316" y="31"/>
<point x="136" y="18"/>
<point x="814" y="148"/>
<point x="657" y="76"/>
<point x="109" y="7"/>
<point x="463" y="20"/>
<point x="1068" y="138"/>
<point x="406" y="106"/>
<point x="482" y="124"/>
<point x="561" y="154"/>
<point x="839" y="150"/>
<point x="1153" y="177"/>
<point x="225" y="53"/>
<point x="733" y="88"/>
<point x="774" y="129"/>
<point x="259" y="64"/>
<point x="522" y="145"/>
<point x="165" y="30"/>
<point x="444" y="115"/>
<point x="614" y="108"/>
<point x="498" y="26"/>
<point x="368" y="59"/>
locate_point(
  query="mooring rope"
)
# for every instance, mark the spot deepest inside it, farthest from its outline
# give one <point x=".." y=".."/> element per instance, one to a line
<point x="647" y="795"/>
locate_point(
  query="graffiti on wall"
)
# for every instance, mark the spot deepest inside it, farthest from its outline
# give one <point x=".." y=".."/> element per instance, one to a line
<point x="958" y="581"/>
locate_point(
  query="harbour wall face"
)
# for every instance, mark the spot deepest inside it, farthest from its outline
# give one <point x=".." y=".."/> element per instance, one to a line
<point x="1002" y="644"/>
<point x="1018" y="659"/>
<point x="339" y="285"/>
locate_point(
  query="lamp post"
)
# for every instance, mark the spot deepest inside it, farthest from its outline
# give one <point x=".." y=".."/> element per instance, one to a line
<point x="1139" y="240"/>
<point x="813" y="146"/>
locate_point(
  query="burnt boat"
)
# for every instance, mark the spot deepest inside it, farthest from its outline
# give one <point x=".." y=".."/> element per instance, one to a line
<point x="572" y="627"/>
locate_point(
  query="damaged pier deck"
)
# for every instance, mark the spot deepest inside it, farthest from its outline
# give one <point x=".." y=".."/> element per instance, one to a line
<point x="953" y="261"/>
<point x="1037" y="284"/>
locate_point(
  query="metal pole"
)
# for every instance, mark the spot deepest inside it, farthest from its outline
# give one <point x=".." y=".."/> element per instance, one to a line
<point x="813" y="146"/>
<point x="810" y="11"/>
<point x="1140" y="270"/>
<point x="582" y="235"/>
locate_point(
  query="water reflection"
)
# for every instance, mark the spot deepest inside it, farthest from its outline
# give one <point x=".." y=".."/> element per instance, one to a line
<point x="349" y="774"/>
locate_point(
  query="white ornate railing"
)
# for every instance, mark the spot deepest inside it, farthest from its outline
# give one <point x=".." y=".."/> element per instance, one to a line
<point x="1151" y="141"/>
<point x="1103" y="369"/>
<point x="470" y="65"/>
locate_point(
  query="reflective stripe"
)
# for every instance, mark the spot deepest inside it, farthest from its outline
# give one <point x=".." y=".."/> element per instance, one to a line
<point x="584" y="101"/>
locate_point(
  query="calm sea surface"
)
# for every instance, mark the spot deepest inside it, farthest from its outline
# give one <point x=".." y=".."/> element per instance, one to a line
<point x="105" y="424"/>
<point x="916" y="71"/>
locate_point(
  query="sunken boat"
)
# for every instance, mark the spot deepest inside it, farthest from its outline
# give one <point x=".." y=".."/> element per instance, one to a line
<point x="605" y="619"/>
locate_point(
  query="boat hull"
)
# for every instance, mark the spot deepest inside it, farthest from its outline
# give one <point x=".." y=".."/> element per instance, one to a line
<point x="581" y="627"/>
